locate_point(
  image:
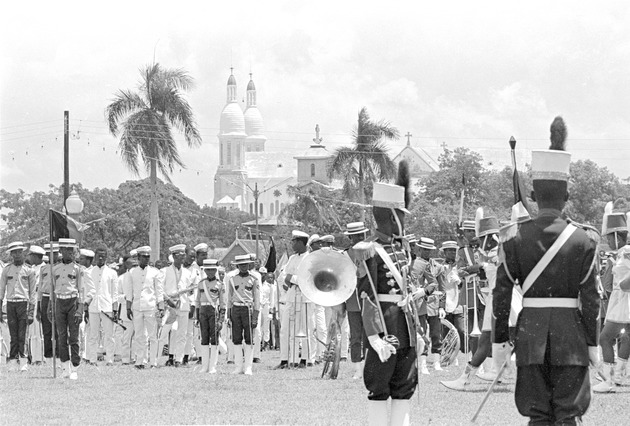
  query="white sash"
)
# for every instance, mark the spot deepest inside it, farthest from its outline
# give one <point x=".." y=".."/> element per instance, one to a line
<point x="390" y="264"/>
<point x="548" y="257"/>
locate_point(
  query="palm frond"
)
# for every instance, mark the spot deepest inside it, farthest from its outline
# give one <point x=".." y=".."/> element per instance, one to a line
<point x="343" y="158"/>
<point x="178" y="112"/>
<point x="124" y="103"/>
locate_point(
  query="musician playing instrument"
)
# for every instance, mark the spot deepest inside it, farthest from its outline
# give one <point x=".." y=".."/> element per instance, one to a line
<point x="554" y="263"/>
<point x="390" y="364"/>
<point x="243" y="295"/>
<point x="210" y="314"/>
<point x="449" y="276"/>
<point x="144" y="293"/>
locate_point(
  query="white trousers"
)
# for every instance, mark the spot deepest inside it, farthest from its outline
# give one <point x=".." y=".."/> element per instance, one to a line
<point x="188" y="345"/>
<point x="145" y="330"/>
<point x="258" y="332"/>
<point x="321" y="328"/>
<point x="264" y="323"/>
<point x="284" y="332"/>
<point x="178" y="331"/>
<point x="98" y="320"/>
<point x="37" y="341"/>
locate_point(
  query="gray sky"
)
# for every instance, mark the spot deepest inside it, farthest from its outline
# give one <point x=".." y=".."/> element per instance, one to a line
<point x="465" y="73"/>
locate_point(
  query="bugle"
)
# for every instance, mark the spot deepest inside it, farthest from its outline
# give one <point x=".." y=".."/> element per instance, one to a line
<point x="476" y="331"/>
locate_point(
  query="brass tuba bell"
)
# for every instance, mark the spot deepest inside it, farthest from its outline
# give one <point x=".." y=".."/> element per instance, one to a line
<point x="327" y="277"/>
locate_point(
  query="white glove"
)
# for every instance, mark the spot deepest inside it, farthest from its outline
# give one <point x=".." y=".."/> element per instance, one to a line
<point x="501" y="353"/>
<point x="593" y="355"/>
<point x="381" y="347"/>
<point x="442" y="313"/>
<point x="419" y="294"/>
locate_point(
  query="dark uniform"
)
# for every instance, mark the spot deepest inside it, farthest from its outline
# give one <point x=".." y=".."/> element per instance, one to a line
<point x="397" y="377"/>
<point x="422" y="275"/>
<point x="211" y="309"/>
<point x="551" y="340"/>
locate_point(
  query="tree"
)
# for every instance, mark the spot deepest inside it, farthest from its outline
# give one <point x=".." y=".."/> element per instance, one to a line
<point x="366" y="161"/>
<point x="144" y="120"/>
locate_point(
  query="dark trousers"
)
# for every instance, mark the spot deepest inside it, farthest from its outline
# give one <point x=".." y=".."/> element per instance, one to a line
<point x="68" y="330"/>
<point x="208" y="325"/>
<point x="552" y="394"/>
<point x="435" y="333"/>
<point x="396" y="378"/>
<point x="241" y="325"/>
<point x="47" y="328"/>
<point x="356" y="336"/>
<point x="17" y="322"/>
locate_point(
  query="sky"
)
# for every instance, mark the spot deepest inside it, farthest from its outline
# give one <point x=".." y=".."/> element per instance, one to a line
<point x="464" y="73"/>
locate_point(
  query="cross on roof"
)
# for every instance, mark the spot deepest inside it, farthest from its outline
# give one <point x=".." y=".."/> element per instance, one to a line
<point x="409" y="135"/>
<point x="317" y="139"/>
<point x="443" y="145"/>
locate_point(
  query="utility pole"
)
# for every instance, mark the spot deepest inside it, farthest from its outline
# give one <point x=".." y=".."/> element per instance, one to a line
<point x="256" y="194"/>
<point x="66" y="157"/>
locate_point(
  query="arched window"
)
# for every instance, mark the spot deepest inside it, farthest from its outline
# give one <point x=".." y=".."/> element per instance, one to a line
<point x="271" y="209"/>
<point x="260" y="209"/>
<point x="277" y="207"/>
<point x="251" y="208"/>
<point x="312" y="170"/>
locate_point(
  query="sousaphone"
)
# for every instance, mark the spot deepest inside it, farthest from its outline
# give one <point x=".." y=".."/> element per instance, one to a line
<point x="327" y="277"/>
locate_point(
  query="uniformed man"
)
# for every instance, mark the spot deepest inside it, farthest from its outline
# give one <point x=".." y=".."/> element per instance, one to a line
<point x="201" y="254"/>
<point x="190" y="263"/>
<point x="44" y="287"/>
<point x="292" y="300"/>
<point x="243" y="295"/>
<point x="36" y="344"/>
<point x="257" y="337"/>
<point x="179" y="284"/>
<point x="86" y="257"/>
<point x="144" y="294"/>
<point x="69" y="306"/>
<point x="102" y="298"/>
<point x="618" y="313"/>
<point x="18" y="283"/>
<point x="210" y="314"/>
<point x="267" y="303"/>
<point x="390" y="364"/>
<point x="554" y="263"/>
<point x="125" y="336"/>
<point x="452" y="281"/>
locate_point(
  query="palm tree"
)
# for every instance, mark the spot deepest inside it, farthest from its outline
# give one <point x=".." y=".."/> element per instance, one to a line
<point x="366" y="161"/>
<point x="144" y="120"/>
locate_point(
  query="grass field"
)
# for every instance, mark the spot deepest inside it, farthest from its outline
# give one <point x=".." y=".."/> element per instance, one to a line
<point x="124" y="395"/>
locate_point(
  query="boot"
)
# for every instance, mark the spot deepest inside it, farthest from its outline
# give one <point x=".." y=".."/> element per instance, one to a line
<point x="249" y="359"/>
<point x="23" y="364"/>
<point x="489" y="373"/>
<point x="213" y="354"/>
<point x="377" y="413"/>
<point x="620" y="371"/>
<point x="205" y="360"/>
<point x="607" y="371"/>
<point x="437" y="365"/>
<point x="358" y="370"/>
<point x="423" y="364"/>
<point x="73" y="371"/>
<point x="462" y="381"/>
<point x="238" y="359"/>
<point x="400" y="412"/>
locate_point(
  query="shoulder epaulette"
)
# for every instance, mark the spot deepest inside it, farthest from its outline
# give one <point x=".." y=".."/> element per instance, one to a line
<point x="587" y="228"/>
<point x="364" y="250"/>
<point x="509" y="231"/>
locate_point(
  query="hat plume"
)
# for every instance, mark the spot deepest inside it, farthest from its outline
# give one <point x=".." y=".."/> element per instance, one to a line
<point x="558" y="135"/>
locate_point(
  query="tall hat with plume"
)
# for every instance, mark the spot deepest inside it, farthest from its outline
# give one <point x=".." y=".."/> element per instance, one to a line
<point x="485" y="225"/>
<point x="396" y="196"/>
<point x="616" y="217"/>
<point x="553" y="163"/>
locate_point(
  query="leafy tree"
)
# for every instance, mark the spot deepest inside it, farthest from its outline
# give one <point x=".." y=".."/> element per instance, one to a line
<point x="366" y="161"/>
<point x="143" y="120"/>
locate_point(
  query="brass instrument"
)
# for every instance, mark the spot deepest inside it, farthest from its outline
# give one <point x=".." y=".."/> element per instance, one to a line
<point x="450" y="344"/>
<point x="476" y="332"/>
<point x="327" y="277"/>
<point x="332" y="355"/>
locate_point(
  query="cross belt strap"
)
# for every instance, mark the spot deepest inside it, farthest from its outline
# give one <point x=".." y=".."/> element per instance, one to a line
<point x="392" y="298"/>
<point x="548" y="257"/>
<point x="550" y="302"/>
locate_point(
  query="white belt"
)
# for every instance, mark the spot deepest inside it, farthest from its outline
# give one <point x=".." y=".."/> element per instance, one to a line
<point x="549" y="302"/>
<point x="17" y="299"/>
<point x="240" y="304"/>
<point x="393" y="298"/>
<point x="66" y="296"/>
<point x="207" y="304"/>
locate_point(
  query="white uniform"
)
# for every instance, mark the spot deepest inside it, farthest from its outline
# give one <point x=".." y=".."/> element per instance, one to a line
<point x="124" y="344"/>
<point x="145" y="289"/>
<point x="176" y="280"/>
<point x="192" y="333"/>
<point x="35" y="331"/>
<point x="101" y="294"/>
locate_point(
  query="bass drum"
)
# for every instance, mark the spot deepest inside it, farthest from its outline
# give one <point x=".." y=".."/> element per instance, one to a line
<point x="450" y="344"/>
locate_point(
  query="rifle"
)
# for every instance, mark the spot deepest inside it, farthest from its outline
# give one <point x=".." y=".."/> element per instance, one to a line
<point x="115" y="321"/>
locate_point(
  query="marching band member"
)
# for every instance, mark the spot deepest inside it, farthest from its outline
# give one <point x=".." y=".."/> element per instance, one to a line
<point x="69" y="297"/>
<point x="390" y="364"/>
<point x="179" y="283"/>
<point x="102" y="299"/>
<point x="257" y="337"/>
<point x="44" y="287"/>
<point x="128" y="347"/>
<point x="554" y="263"/>
<point x="450" y="277"/>
<point x="201" y="254"/>
<point x="618" y="313"/>
<point x="268" y="297"/>
<point x="319" y="333"/>
<point x="17" y="282"/>
<point x="190" y="263"/>
<point x="243" y="308"/>
<point x="289" y="281"/>
<point x="85" y="261"/>
<point x="36" y="257"/>
<point x="144" y="294"/>
<point x="210" y="313"/>
<point x="487" y="231"/>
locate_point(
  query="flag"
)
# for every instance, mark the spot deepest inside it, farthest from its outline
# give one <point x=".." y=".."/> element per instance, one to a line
<point x="519" y="190"/>
<point x="63" y="226"/>
<point x="271" y="259"/>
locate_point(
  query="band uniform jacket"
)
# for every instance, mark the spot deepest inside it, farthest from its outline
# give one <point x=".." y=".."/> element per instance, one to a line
<point x="177" y="280"/>
<point x="243" y="289"/>
<point x="18" y="283"/>
<point x="570" y="274"/>
<point x="398" y="320"/>
<point x="215" y="295"/>
<point x="422" y="275"/>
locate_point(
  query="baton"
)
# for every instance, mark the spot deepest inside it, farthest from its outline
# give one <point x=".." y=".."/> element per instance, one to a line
<point x="490" y="389"/>
<point x="114" y="321"/>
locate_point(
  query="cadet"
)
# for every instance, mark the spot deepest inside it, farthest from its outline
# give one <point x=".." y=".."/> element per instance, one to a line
<point x="554" y="263"/>
<point x="44" y="287"/>
<point x="210" y="314"/>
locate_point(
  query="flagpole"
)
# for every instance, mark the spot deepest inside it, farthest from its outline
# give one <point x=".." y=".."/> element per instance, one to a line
<point x="461" y="202"/>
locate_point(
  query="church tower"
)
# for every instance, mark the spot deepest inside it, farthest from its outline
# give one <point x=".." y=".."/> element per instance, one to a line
<point x="313" y="164"/>
<point x="254" y="127"/>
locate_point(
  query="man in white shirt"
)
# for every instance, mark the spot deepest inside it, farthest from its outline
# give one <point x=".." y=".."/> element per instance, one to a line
<point x="125" y="336"/>
<point x="179" y="283"/>
<point x="36" y="256"/>
<point x="102" y="298"/>
<point x="144" y="292"/>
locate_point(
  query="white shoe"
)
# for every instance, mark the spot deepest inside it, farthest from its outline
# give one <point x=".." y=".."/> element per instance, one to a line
<point x="66" y="370"/>
<point x="249" y="359"/>
<point x="23" y="365"/>
<point x="358" y="370"/>
<point x="462" y="381"/>
<point x="437" y="366"/>
<point x="607" y="371"/>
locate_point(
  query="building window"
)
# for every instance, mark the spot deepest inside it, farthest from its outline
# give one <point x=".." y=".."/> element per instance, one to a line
<point x="271" y="209"/>
<point x="281" y="206"/>
<point x="221" y="154"/>
<point x="312" y="170"/>
<point x="229" y="153"/>
<point x="251" y="208"/>
<point x="260" y="209"/>
<point x="277" y="207"/>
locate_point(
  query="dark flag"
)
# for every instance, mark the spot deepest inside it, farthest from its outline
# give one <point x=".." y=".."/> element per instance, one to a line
<point x="271" y="259"/>
<point x="63" y="226"/>
<point x="520" y="209"/>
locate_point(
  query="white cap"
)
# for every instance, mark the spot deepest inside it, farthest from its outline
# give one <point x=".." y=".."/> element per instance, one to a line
<point x="298" y="234"/>
<point x="242" y="259"/>
<point x="427" y="243"/>
<point x="86" y="253"/>
<point x="141" y="250"/>
<point x="449" y="245"/>
<point x="201" y="247"/>
<point x="388" y="195"/>
<point x="67" y="242"/>
<point x="36" y="250"/>
<point x="177" y="248"/>
<point x="313" y="239"/>
<point x="263" y="270"/>
<point x="210" y="264"/>
<point x="16" y="245"/>
<point x="355" y="228"/>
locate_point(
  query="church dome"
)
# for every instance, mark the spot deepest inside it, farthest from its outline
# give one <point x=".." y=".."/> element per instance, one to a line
<point x="232" y="120"/>
<point x="250" y="85"/>
<point x="253" y="121"/>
